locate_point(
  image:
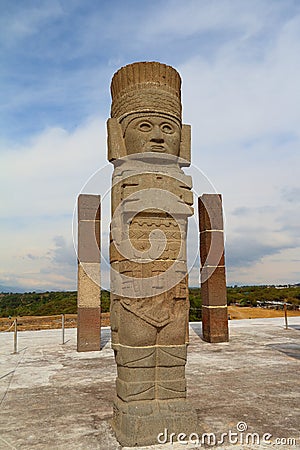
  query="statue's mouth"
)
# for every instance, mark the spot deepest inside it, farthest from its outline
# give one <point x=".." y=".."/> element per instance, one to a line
<point x="158" y="148"/>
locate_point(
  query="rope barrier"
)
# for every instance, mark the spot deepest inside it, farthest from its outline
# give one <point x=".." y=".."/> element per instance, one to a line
<point x="5" y="331"/>
<point x="42" y="321"/>
<point x="11" y="378"/>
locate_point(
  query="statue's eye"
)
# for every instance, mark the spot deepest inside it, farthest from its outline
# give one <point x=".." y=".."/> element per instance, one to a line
<point x="145" y="126"/>
<point x="167" y="128"/>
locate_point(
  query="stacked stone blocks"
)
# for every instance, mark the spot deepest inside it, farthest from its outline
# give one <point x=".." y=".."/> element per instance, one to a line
<point x="213" y="277"/>
<point x="88" y="297"/>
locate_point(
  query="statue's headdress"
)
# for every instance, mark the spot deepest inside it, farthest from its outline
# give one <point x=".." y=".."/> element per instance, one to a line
<point x="146" y="87"/>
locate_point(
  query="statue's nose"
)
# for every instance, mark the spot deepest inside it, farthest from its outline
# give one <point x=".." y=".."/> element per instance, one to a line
<point x="157" y="135"/>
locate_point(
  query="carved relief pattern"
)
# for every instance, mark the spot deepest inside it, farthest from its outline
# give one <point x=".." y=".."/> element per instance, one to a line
<point x="151" y="202"/>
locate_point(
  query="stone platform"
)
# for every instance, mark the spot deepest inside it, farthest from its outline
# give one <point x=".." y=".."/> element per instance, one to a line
<point x="55" y="398"/>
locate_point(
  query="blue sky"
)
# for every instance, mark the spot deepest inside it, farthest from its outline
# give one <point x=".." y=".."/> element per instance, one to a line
<point x="240" y="68"/>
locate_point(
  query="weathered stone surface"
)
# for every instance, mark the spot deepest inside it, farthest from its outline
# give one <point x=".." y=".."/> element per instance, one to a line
<point x="151" y="202"/>
<point x="215" y="324"/>
<point x="212" y="248"/>
<point x="89" y="241"/>
<point x="88" y="228"/>
<point x="213" y="276"/>
<point x="210" y="212"/>
<point x="88" y="292"/>
<point x="88" y="207"/>
<point x="77" y="389"/>
<point x="88" y="329"/>
<point x="136" y="423"/>
<point x="89" y="282"/>
<point x="213" y="287"/>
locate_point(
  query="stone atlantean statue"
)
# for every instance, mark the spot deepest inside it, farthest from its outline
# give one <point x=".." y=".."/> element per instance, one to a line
<point x="151" y="203"/>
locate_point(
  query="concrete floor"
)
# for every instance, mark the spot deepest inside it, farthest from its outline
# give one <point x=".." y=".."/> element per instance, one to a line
<point x="55" y="398"/>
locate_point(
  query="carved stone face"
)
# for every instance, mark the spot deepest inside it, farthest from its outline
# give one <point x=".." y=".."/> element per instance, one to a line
<point x="152" y="134"/>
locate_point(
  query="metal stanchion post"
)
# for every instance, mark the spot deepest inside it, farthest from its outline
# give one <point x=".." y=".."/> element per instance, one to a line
<point x="16" y="336"/>
<point x="285" y="316"/>
<point x="63" y="328"/>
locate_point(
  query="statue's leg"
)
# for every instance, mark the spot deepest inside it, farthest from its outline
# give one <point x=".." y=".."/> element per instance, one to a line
<point x="135" y="357"/>
<point x="171" y="356"/>
<point x="151" y="386"/>
<point x="135" y="353"/>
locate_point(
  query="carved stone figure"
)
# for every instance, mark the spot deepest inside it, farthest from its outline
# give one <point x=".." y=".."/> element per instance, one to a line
<point x="151" y="202"/>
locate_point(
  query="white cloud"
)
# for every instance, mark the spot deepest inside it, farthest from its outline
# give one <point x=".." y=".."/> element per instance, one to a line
<point x="43" y="177"/>
<point x="192" y="17"/>
<point x="39" y="188"/>
<point x="244" y="114"/>
<point x="17" y="24"/>
<point x="240" y="68"/>
<point x="232" y="100"/>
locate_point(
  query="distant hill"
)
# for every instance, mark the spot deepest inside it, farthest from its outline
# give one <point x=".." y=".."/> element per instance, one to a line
<point x="51" y="303"/>
<point x="43" y="304"/>
<point x="7" y="289"/>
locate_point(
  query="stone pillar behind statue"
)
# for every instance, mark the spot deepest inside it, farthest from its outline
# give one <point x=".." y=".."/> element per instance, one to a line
<point x="213" y="278"/>
<point x="88" y="292"/>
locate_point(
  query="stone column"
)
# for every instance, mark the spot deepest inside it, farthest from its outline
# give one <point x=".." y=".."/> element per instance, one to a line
<point x="88" y="295"/>
<point x="151" y="203"/>
<point x="213" y="278"/>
